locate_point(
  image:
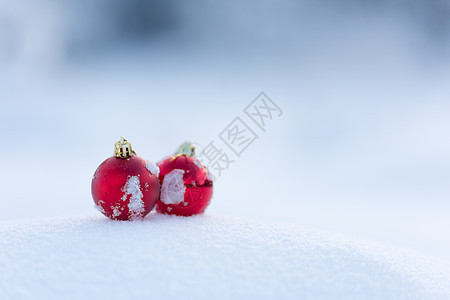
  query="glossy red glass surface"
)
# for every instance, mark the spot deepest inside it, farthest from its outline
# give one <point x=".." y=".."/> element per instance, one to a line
<point x="199" y="186"/>
<point x="109" y="188"/>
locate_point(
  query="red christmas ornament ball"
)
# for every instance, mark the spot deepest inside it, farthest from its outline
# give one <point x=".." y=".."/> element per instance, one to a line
<point x="125" y="186"/>
<point x="186" y="186"/>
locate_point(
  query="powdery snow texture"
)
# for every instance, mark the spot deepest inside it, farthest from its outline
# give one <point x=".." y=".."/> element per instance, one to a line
<point x="202" y="257"/>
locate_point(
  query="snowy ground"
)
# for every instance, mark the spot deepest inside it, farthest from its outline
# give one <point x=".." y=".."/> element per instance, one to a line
<point x="203" y="257"/>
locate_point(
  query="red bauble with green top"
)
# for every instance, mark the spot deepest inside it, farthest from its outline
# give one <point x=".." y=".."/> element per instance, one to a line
<point x="186" y="185"/>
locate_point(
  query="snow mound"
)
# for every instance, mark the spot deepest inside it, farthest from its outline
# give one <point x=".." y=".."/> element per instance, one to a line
<point x="202" y="257"/>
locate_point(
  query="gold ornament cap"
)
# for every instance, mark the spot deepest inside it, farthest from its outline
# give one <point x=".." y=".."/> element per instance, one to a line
<point x="122" y="149"/>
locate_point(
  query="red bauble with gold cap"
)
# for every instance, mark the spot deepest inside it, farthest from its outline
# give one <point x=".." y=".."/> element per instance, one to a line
<point x="125" y="186"/>
<point x="186" y="185"/>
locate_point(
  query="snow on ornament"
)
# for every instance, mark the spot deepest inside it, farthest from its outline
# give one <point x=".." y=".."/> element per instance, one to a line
<point x="125" y="186"/>
<point x="186" y="185"/>
<point x="173" y="189"/>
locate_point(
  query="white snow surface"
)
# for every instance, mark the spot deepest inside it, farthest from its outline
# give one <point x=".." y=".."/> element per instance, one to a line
<point x="136" y="206"/>
<point x="173" y="188"/>
<point x="203" y="257"/>
<point x="152" y="168"/>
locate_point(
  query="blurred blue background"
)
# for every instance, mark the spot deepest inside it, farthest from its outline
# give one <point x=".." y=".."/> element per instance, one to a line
<point x="363" y="146"/>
